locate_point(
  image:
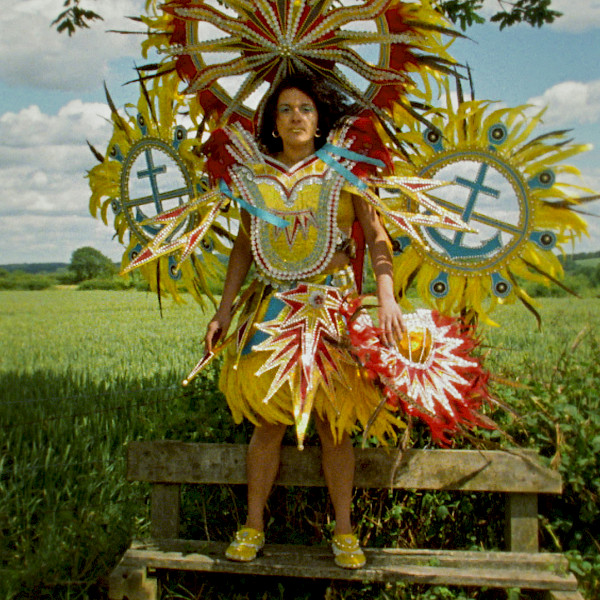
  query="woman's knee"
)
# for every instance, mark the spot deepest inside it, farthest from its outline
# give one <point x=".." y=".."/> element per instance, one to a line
<point x="328" y="438"/>
<point x="268" y="434"/>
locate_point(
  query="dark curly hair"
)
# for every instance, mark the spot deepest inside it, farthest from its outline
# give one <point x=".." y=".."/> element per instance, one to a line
<point x="332" y="106"/>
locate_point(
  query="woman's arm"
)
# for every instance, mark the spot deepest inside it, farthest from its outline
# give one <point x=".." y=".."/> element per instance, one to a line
<point x="240" y="260"/>
<point x="390" y="315"/>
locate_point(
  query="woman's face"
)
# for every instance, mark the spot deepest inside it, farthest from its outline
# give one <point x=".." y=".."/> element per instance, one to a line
<point x="297" y="119"/>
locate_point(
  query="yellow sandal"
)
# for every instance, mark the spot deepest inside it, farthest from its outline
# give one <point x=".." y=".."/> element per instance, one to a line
<point x="247" y="544"/>
<point x="347" y="552"/>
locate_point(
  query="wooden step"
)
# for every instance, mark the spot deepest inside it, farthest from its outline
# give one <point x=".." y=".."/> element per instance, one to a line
<point x="540" y="571"/>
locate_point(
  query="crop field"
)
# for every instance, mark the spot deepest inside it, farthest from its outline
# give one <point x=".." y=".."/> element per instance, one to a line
<point x="589" y="262"/>
<point x="83" y="373"/>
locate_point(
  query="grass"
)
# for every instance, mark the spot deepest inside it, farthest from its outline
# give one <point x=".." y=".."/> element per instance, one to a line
<point x="588" y="262"/>
<point x="99" y="334"/>
<point x="83" y="373"/>
<point x="518" y="348"/>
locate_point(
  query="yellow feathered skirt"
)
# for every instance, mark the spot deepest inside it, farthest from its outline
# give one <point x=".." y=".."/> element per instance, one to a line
<point x="291" y="357"/>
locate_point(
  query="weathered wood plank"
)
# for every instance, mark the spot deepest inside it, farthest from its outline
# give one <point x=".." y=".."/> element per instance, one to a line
<point x="165" y="502"/>
<point x="522" y="523"/>
<point x="556" y="563"/>
<point x="469" y="470"/>
<point x="556" y="595"/>
<point x="311" y="562"/>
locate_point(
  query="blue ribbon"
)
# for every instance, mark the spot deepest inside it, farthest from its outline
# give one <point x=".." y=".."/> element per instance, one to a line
<point x="355" y="156"/>
<point x="345" y="173"/>
<point x="324" y="154"/>
<point x="253" y="210"/>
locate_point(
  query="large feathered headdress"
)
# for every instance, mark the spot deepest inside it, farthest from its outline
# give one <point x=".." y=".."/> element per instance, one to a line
<point x="229" y="52"/>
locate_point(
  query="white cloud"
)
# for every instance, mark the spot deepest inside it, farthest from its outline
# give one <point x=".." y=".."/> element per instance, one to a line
<point x="578" y="15"/>
<point x="571" y="101"/>
<point x="52" y="238"/>
<point x="30" y="128"/>
<point x="33" y="54"/>
<point x="44" y="194"/>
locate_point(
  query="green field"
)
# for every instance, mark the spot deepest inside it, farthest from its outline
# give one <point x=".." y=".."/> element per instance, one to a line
<point x="588" y="262"/>
<point x="82" y="373"/>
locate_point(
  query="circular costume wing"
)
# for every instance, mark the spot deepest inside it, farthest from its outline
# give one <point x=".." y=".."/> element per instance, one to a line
<point x="151" y="172"/>
<point x="510" y="188"/>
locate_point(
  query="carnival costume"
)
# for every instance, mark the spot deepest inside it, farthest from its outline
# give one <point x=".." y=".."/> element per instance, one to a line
<point x="303" y="340"/>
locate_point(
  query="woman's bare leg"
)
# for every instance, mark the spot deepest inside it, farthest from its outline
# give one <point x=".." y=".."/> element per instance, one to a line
<point x="262" y="464"/>
<point x="338" y="468"/>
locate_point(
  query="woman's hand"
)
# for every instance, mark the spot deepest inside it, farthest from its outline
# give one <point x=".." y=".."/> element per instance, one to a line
<point x="390" y="321"/>
<point x="216" y="329"/>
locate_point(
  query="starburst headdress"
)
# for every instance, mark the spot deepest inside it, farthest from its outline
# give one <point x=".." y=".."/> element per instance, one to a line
<point x="229" y="51"/>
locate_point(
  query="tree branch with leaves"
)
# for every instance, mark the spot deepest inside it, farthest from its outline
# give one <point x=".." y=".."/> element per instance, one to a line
<point x="465" y="13"/>
<point x="74" y="17"/>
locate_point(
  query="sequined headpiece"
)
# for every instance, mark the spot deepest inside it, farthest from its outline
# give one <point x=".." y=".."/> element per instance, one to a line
<point x="229" y="52"/>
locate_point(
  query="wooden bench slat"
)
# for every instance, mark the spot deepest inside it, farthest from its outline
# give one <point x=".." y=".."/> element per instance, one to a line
<point x="557" y="563"/>
<point x="468" y="470"/>
<point x="452" y="568"/>
<point x="165" y="506"/>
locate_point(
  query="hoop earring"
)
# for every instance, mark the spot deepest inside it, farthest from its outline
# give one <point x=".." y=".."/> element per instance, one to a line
<point x="274" y="133"/>
<point x="318" y="133"/>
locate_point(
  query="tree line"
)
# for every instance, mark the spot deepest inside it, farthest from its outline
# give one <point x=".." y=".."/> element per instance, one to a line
<point x="90" y="269"/>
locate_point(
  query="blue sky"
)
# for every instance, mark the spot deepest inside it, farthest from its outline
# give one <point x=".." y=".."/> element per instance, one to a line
<point x="51" y="101"/>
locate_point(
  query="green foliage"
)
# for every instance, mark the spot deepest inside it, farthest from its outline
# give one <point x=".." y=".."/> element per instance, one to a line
<point x="89" y="263"/>
<point x="83" y="374"/>
<point x="74" y="17"/>
<point x="463" y="12"/>
<point x="46" y="268"/>
<point x="559" y="410"/>
<point x="534" y="12"/>
<point x="19" y="280"/>
<point x="466" y="12"/>
<point x="65" y="277"/>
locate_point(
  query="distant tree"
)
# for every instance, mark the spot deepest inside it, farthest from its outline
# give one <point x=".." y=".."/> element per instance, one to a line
<point x="464" y="12"/>
<point x="88" y="263"/>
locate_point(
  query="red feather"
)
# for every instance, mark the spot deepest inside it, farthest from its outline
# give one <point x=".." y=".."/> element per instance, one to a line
<point x="365" y="140"/>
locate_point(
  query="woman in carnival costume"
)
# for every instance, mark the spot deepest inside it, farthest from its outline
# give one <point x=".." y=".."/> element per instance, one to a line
<point x="293" y="354"/>
<point x="311" y="266"/>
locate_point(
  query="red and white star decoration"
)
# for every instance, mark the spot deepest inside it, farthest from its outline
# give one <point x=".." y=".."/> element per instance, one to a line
<point x="303" y="346"/>
<point x="431" y="374"/>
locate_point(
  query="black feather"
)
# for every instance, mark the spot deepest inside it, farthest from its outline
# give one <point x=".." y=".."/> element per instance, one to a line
<point x="95" y="152"/>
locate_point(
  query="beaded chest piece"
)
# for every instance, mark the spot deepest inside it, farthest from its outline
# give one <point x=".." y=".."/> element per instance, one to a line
<point x="308" y="198"/>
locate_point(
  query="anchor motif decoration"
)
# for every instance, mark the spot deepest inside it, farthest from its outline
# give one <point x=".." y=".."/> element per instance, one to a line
<point x="507" y="188"/>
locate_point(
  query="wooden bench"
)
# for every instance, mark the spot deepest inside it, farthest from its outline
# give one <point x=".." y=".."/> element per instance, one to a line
<point x="169" y="464"/>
